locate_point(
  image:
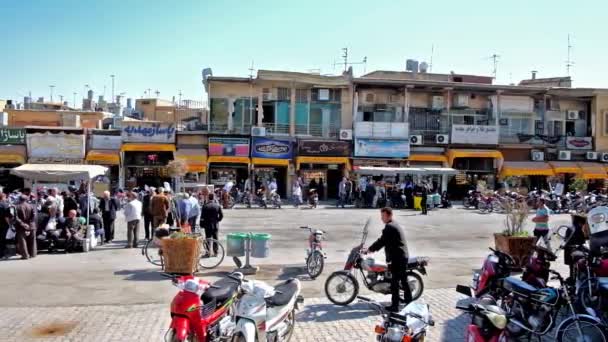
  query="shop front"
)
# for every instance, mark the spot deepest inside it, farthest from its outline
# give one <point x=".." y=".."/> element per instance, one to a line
<point x="477" y="170"/>
<point x="228" y="160"/>
<point x="196" y="164"/>
<point x="147" y="148"/>
<point x="323" y="163"/>
<point x="270" y="159"/>
<point x="595" y="174"/>
<point x="12" y="154"/>
<point x="104" y="149"/>
<point x="380" y="153"/>
<point x="523" y="176"/>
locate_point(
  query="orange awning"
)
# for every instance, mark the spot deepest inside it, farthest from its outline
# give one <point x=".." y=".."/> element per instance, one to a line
<point x="136" y="147"/>
<point x="457" y="153"/>
<point x="12" y="154"/>
<point x="195" y="159"/>
<point x="593" y="171"/>
<point x="270" y="161"/>
<point x="103" y="157"/>
<point x="228" y="159"/>
<point x="565" y="167"/>
<point x="322" y="160"/>
<point x="429" y="158"/>
<point x="526" y="168"/>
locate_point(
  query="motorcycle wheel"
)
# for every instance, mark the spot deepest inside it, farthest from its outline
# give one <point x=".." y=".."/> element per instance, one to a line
<point x="170" y="337"/>
<point x="466" y="203"/>
<point x="591" y="330"/>
<point x="341" y="288"/>
<point x="416" y="285"/>
<point x="291" y="322"/>
<point x="314" y="264"/>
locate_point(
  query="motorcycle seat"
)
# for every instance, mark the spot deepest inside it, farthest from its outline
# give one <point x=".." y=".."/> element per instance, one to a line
<point x="226" y="288"/>
<point x="517" y="285"/>
<point x="284" y="293"/>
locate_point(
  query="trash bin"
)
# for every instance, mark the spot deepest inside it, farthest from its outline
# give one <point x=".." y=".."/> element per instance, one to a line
<point x="235" y="243"/>
<point x="417" y="203"/>
<point x="260" y="245"/>
<point x="437" y="200"/>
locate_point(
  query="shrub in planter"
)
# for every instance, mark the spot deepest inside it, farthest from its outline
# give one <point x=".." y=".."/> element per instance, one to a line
<point x="514" y="240"/>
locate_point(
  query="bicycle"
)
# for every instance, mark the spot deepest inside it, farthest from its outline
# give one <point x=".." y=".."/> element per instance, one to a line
<point x="315" y="258"/>
<point x="209" y="258"/>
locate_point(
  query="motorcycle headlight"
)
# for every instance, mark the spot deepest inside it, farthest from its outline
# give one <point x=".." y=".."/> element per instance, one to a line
<point x="499" y="321"/>
<point x="394" y="334"/>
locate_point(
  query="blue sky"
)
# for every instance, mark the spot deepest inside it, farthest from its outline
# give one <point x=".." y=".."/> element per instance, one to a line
<point x="163" y="45"/>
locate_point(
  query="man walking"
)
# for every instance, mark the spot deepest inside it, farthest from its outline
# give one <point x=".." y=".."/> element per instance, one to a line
<point x="424" y="192"/>
<point x="25" y="228"/>
<point x="342" y="193"/>
<point x="395" y="246"/>
<point x="132" y="216"/>
<point x="541" y="220"/>
<point x="211" y="216"/>
<point x="5" y="220"/>
<point x="109" y="206"/>
<point x="146" y="212"/>
<point x="195" y="211"/>
<point x="159" y="208"/>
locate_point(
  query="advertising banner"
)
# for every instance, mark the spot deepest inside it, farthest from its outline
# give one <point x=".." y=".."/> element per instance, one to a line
<point x="149" y="132"/>
<point x="324" y="148"/>
<point x="579" y="143"/>
<point x="12" y="136"/>
<point x="219" y="146"/>
<point x="474" y="134"/>
<point x="382" y="148"/>
<point x="46" y="147"/>
<point x="105" y="142"/>
<point x="272" y="149"/>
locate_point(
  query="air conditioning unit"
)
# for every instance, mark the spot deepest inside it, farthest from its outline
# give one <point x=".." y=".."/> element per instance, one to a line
<point x="257" y="131"/>
<point x="437" y="102"/>
<point x="461" y="100"/>
<point x="563" y="155"/>
<point x="346" y="134"/>
<point x="538" y="156"/>
<point x="591" y="155"/>
<point x="416" y="139"/>
<point x="442" y="138"/>
<point x="572" y="115"/>
<point x="604" y="157"/>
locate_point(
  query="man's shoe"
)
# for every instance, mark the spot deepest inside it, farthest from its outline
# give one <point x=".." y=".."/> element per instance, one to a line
<point x="391" y="308"/>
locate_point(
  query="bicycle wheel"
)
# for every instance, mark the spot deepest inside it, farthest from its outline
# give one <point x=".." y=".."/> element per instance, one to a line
<point x="153" y="252"/>
<point x="314" y="264"/>
<point x="212" y="254"/>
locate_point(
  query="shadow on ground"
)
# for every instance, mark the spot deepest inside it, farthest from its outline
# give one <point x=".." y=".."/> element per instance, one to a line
<point x="332" y="313"/>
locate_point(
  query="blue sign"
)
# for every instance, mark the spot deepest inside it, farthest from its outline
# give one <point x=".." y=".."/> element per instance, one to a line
<point x="270" y="148"/>
<point x="148" y="132"/>
<point x="382" y="148"/>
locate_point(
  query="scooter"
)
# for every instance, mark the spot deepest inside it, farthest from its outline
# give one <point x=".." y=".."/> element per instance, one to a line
<point x="266" y="313"/>
<point x="342" y="287"/>
<point x="275" y="199"/>
<point x="200" y="310"/>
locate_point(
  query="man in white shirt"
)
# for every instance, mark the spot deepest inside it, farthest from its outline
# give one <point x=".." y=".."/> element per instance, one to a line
<point x="273" y="185"/>
<point x="132" y="213"/>
<point x="195" y="211"/>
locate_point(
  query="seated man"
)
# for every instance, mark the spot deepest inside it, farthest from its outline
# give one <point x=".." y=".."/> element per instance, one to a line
<point x="73" y="231"/>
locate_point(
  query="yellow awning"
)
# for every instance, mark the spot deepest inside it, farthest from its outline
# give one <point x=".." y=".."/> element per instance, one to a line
<point x="526" y="168"/>
<point x="322" y="160"/>
<point x="103" y="157"/>
<point x="270" y="161"/>
<point x="593" y="171"/>
<point x="134" y="147"/>
<point x="455" y="153"/>
<point x="565" y="167"/>
<point x="429" y="158"/>
<point x="12" y="154"/>
<point x="228" y="159"/>
<point x="195" y="160"/>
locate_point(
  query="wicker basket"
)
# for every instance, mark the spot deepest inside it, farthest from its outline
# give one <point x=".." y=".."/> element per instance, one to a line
<point x="181" y="255"/>
<point x="520" y="248"/>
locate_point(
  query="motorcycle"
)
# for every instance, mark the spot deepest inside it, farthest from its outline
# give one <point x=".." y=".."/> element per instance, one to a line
<point x="488" y="321"/>
<point x="315" y="257"/>
<point x="408" y="325"/>
<point x="313" y="198"/>
<point x="259" y="199"/>
<point x="266" y="313"/>
<point x="200" y="310"/>
<point x="471" y="199"/>
<point x="275" y="199"/>
<point x="342" y="287"/>
<point x="496" y="266"/>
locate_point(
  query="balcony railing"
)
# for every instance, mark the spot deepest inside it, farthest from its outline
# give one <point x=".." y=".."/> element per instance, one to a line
<point x="369" y="129"/>
<point x="325" y="131"/>
<point x="223" y="129"/>
<point x="275" y="128"/>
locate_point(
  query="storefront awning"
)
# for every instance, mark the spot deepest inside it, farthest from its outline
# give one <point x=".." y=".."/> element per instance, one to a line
<point x="270" y="161"/>
<point x="103" y="157"/>
<point x="322" y="160"/>
<point x="457" y="153"/>
<point x="565" y="167"/>
<point x="526" y="168"/>
<point x="440" y="171"/>
<point x="228" y="160"/>
<point x="593" y="171"/>
<point x="136" y="147"/>
<point x="195" y="159"/>
<point x="429" y="158"/>
<point x="386" y="171"/>
<point x="12" y="154"/>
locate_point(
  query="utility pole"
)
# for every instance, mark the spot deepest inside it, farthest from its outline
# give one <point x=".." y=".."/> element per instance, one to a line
<point x="86" y="91"/>
<point x="495" y="58"/>
<point x="52" y="87"/>
<point x="74" y="102"/>
<point x="569" y="62"/>
<point x="179" y="99"/>
<point x="431" y="61"/>
<point x="157" y="93"/>
<point x="61" y="99"/>
<point x="112" y="76"/>
<point x="345" y="57"/>
<point x="149" y="92"/>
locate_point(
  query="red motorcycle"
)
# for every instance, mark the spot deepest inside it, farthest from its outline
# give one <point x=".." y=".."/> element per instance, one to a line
<point x="488" y="321"/>
<point x="497" y="265"/>
<point x="199" y="311"/>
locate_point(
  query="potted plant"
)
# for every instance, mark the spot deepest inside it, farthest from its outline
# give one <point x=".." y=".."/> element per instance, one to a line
<point x="515" y="240"/>
<point x="578" y="185"/>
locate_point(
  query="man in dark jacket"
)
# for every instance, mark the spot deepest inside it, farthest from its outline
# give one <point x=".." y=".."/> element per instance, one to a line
<point x="5" y="219"/>
<point x="395" y="246"/>
<point x="109" y="206"/>
<point x="211" y="216"/>
<point x="146" y="213"/>
<point x="424" y="192"/>
<point x="25" y="228"/>
<point x="70" y="202"/>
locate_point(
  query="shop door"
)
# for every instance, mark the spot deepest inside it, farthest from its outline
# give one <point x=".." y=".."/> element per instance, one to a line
<point x="333" y="179"/>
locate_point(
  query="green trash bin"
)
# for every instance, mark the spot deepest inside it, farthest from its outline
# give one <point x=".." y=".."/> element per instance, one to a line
<point x="260" y="245"/>
<point x="235" y="244"/>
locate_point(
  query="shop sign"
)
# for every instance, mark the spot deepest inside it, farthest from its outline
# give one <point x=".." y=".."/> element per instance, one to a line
<point x="152" y="132"/>
<point x="105" y="142"/>
<point x="579" y="143"/>
<point x="270" y="148"/>
<point x="55" y="146"/>
<point x="382" y="148"/>
<point x="54" y="160"/>
<point x="324" y="148"/>
<point x="474" y="134"/>
<point x="238" y="147"/>
<point x="12" y="136"/>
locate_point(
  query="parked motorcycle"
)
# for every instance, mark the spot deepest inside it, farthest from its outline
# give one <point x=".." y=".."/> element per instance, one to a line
<point x="200" y="310"/>
<point x="471" y="199"/>
<point x="259" y="199"/>
<point x="313" y="198"/>
<point x="488" y="321"/>
<point x="266" y="313"/>
<point x="275" y="199"/>
<point x="496" y="266"/>
<point x="315" y="257"/>
<point x="409" y="324"/>
<point x="342" y="287"/>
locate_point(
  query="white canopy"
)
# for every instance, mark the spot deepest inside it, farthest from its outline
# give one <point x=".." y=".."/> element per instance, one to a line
<point x="58" y="172"/>
<point x="376" y="171"/>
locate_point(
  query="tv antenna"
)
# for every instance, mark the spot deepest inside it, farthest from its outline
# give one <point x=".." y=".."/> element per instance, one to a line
<point x="569" y="62"/>
<point x="251" y="70"/>
<point x="346" y="63"/>
<point x="494" y="59"/>
<point x="431" y="61"/>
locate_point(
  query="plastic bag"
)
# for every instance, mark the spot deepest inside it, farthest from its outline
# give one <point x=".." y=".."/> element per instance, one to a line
<point x="11" y="233"/>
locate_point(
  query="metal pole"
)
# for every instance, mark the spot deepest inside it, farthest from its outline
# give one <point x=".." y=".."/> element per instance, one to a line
<point x="112" y="88"/>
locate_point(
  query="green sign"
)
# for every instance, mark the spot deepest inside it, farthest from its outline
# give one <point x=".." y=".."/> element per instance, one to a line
<point x="10" y="136"/>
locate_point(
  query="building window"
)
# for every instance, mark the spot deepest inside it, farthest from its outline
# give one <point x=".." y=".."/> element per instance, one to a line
<point x="284" y="94"/>
<point x="335" y="95"/>
<point x="302" y="95"/>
